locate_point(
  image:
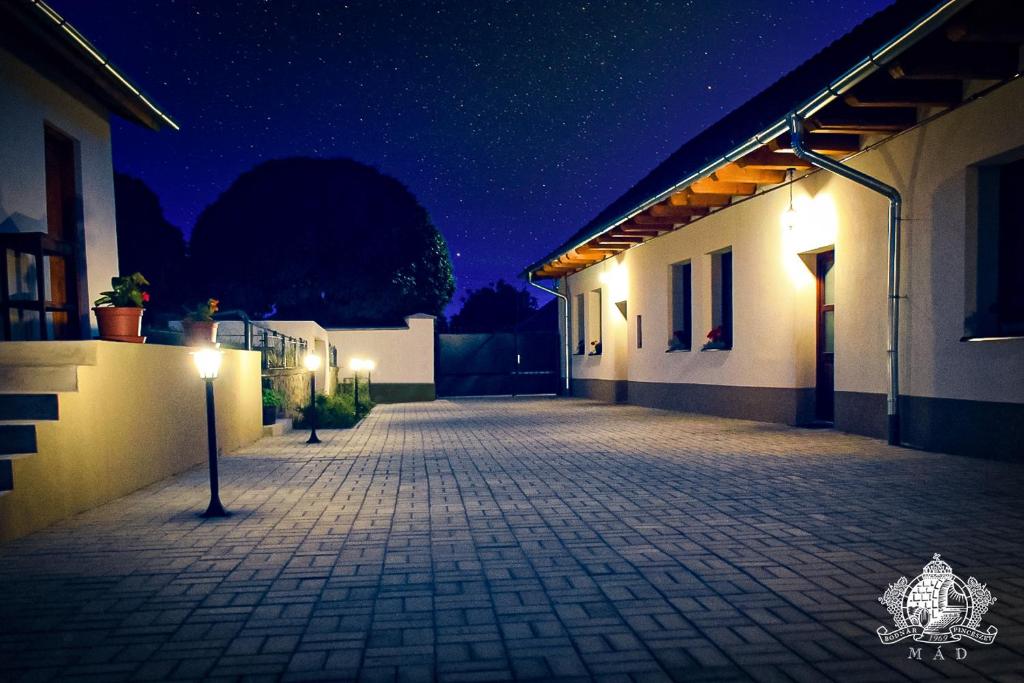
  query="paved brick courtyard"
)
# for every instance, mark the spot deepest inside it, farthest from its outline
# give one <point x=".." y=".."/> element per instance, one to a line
<point x="537" y="539"/>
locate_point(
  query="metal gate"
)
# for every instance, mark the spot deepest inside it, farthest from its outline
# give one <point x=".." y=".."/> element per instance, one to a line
<point x="498" y="363"/>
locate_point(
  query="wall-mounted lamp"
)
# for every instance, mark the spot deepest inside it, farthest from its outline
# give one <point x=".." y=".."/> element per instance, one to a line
<point x="790" y="217"/>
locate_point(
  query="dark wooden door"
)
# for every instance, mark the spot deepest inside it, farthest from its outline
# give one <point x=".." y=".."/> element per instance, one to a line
<point x="62" y="315"/>
<point x="826" y="346"/>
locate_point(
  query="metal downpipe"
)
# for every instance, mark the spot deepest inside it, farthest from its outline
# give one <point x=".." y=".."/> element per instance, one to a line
<point x="796" y="130"/>
<point x="565" y="329"/>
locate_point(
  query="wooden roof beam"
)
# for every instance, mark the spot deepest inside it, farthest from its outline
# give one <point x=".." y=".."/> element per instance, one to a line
<point x="681" y="213"/>
<point x="686" y="198"/>
<point x="735" y="173"/>
<point x="832" y="144"/>
<point x="886" y="92"/>
<point x="765" y="159"/>
<point x="842" y="118"/>
<point x="723" y="187"/>
<point x="964" y="61"/>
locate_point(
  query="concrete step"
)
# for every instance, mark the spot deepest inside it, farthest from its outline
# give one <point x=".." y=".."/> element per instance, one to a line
<point x="48" y="353"/>
<point x="6" y="477"/>
<point x="283" y="425"/>
<point x="29" y="407"/>
<point x="37" y="379"/>
<point x="17" y="439"/>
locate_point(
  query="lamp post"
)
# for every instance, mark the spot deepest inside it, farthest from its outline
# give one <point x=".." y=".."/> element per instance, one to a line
<point x="312" y="363"/>
<point x="208" y="364"/>
<point x="369" y="365"/>
<point x="356" y="364"/>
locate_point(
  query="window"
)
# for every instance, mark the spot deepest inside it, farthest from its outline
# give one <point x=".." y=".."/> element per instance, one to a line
<point x="998" y="309"/>
<point x="682" y="307"/>
<point x="581" y="326"/>
<point x="594" y="323"/>
<point x="639" y="332"/>
<point x="721" y="300"/>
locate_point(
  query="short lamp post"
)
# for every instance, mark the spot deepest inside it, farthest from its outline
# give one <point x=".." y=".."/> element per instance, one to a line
<point x="355" y="365"/>
<point x="312" y="363"/>
<point x="208" y="364"/>
<point x="370" y="366"/>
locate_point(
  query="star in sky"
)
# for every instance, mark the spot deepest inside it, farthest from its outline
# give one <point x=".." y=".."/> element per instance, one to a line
<point x="514" y="122"/>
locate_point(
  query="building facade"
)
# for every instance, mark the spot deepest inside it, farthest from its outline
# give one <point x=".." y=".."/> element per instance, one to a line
<point x="57" y="226"/>
<point x="760" y="290"/>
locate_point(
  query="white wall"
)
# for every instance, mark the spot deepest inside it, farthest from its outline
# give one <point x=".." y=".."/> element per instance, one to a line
<point x="28" y="101"/>
<point x="774" y="291"/>
<point x="403" y="355"/>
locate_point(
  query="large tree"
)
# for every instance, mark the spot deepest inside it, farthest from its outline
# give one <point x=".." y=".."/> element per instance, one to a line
<point x="498" y="307"/>
<point x="147" y="243"/>
<point x="330" y="240"/>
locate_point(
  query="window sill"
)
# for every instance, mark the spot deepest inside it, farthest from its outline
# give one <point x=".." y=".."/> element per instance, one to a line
<point x="678" y="350"/>
<point x="724" y="348"/>
<point x="993" y="338"/>
<point x="593" y="354"/>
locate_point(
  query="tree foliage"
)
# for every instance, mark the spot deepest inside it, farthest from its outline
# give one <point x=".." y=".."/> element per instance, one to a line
<point x="498" y="307"/>
<point x="330" y="240"/>
<point x="147" y="243"/>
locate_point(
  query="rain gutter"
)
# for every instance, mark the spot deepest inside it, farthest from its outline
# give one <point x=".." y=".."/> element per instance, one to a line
<point x="864" y="68"/>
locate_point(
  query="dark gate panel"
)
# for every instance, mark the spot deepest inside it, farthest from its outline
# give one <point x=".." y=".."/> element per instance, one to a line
<point x="498" y="363"/>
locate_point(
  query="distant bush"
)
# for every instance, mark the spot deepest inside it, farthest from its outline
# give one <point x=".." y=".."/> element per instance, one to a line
<point x="337" y="411"/>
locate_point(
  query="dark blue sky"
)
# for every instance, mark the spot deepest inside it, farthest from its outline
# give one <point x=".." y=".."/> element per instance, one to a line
<point x="513" y="122"/>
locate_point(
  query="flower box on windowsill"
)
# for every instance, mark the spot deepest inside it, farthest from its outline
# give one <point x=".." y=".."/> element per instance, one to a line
<point x="715" y="346"/>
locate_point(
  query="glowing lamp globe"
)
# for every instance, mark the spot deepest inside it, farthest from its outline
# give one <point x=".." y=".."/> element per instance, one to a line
<point x="311" y="362"/>
<point x="790" y="218"/>
<point x="207" y="362"/>
<point x="356" y="364"/>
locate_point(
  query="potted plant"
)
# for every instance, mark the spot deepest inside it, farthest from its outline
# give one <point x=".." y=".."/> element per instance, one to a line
<point x="119" y="311"/>
<point x="198" y="324"/>
<point x="716" y="340"/>
<point x="679" y="341"/>
<point x="597" y="348"/>
<point x="272" y="400"/>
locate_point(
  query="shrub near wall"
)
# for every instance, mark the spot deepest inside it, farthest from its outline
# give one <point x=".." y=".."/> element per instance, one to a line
<point x="293" y="385"/>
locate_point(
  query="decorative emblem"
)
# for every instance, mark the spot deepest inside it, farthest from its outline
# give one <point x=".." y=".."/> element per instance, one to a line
<point x="937" y="606"/>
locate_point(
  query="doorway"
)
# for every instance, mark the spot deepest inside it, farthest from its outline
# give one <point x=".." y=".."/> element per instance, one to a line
<point x="826" y="333"/>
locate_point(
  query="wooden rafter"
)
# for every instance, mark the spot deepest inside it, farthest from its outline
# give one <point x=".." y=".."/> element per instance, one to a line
<point x="724" y="187"/>
<point x="883" y="91"/>
<point x="766" y="159"/>
<point x="738" y="174"/>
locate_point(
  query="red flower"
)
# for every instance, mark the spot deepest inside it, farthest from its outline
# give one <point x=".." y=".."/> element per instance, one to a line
<point x="716" y="334"/>
<point x="145" y="297"/>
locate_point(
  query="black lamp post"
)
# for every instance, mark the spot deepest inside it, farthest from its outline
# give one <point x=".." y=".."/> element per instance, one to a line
<point x="208" y="363"/>
<point x="356" y="365"/>
<point x="312" y="363"/>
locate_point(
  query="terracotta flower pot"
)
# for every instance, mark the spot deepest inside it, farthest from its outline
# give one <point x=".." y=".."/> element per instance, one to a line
<point x="200" y="332"/>
<point x="120" y="323"/>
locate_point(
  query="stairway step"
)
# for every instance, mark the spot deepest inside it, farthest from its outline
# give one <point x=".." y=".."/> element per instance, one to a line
<point x="48" y="353"/>
<point x="6" y="477"/>
<point x="17" y="440"/>
<point x="29" y="407"/>
<point x="46" y="379"/>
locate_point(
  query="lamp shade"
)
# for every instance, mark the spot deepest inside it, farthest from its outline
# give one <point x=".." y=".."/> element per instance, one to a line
<point x="311" y="361"/>
<point x="207" y="362"/>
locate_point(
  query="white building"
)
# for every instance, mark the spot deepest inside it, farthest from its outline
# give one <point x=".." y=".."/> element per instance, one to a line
<point x="57" y="94"/>
<point x="925" y="98"/>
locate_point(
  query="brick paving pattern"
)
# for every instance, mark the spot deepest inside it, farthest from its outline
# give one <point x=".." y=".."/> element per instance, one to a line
<point x="542" y="539"/>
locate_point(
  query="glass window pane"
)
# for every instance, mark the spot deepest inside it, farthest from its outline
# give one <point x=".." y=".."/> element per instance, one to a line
<point x="24" y="325"/>
<point x="830" y="284"/>
<point x="829" y="330"/>
<point x="21" y="276"/>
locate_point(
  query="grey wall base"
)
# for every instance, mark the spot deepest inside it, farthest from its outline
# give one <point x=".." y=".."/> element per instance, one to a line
<point x="789" y="406"/>
<point x="383" y="392"/>
<point x="974" y="428"/>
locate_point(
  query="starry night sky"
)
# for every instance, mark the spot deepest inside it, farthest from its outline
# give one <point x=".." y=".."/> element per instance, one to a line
<point x="513" y="122"/>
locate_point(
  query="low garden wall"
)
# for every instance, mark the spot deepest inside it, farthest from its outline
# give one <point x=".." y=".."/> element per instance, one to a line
<point x="403" y="358"/>
<point x="138" y="415"/>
